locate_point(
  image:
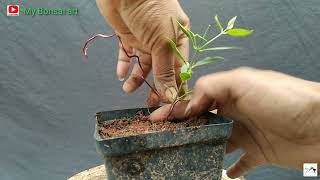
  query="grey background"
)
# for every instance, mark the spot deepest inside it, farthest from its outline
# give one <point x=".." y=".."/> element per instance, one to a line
<point x="49" y="92"/>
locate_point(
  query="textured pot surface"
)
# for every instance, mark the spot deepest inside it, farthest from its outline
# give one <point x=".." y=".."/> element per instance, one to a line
<point x="188" y="153"/>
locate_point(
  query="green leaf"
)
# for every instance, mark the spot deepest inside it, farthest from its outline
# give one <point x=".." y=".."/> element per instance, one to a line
<point x="219" y="48"/>
<point x="207" y="60"/>
<point x="186" y="72"/>
<point x="239" y="32"/>
<point x="231" y="22"/>
<point x="185" y="76"/>
<point x="218" y="22"/>
<point x="176" y="50"/>
<point x="187" y="32"/>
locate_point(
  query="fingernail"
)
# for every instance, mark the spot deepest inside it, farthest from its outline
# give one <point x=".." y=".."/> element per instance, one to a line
<point x="171" y="93"/>
<point x="121" y="79"/>
<point x="126" y="88"/>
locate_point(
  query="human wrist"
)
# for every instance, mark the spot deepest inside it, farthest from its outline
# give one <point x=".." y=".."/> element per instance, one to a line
<point x="315" y="122"/>
<point x="310" y="141"/>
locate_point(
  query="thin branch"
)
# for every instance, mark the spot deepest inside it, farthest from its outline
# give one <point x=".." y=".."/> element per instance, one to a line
<point x="206" y="32"/>
<point x="89" y="42"/>
<point x="175" y="101"/>
<point x="139" y="63"/>
<point x="210" y="41"/>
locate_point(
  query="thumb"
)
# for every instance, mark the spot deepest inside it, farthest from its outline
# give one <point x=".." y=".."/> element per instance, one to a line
<point x="163" y="65"/>
<point x="243" y="165"/>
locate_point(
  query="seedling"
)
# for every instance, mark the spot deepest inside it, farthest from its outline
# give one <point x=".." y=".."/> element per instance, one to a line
<point x="200" y="44"/>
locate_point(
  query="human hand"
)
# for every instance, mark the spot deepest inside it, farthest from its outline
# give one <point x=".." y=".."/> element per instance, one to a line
<point x="276" y="116"/>
<point x="143" y="26"/>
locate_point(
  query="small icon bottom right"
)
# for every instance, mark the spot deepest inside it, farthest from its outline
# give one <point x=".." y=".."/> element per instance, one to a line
<point x="310" y="169"/>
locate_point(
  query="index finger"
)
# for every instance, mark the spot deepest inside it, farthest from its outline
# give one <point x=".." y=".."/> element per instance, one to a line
<point x="213" y="91"/>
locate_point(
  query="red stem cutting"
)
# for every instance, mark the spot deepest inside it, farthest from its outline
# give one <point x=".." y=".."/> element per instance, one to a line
<point x="90" y="40"/>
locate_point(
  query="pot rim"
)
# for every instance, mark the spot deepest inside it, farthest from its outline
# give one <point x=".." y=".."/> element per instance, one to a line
<point x="98" y="138"/>
<point x="218" y="131"/>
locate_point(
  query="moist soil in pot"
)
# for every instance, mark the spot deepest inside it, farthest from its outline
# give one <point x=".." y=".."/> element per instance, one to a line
<point x="140" y="124"/>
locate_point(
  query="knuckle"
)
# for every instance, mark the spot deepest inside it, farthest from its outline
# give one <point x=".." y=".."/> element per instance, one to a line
<point x="243" y="73"/>
<point x="160" y="40"/>
<point x="145" y="61"/>
<point x="157" y="41"/>
<point x="125" y="60"/>
<point x="135" y="79"/>
<point x="202" y="82"/>
<point x="186" y="21"/>
<point x="165" y="75"/>
<point x="243" y="69"/>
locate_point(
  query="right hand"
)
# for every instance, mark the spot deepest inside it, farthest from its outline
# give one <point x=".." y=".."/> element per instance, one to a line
<point x="143" y="26"/>
<point x="276" y="116"/>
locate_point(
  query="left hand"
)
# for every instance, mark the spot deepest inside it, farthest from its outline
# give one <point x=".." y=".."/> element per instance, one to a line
<point x="143" y="26"/>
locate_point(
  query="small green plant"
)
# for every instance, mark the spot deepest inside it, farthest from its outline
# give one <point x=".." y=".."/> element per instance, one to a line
<point x="200" y="44"/>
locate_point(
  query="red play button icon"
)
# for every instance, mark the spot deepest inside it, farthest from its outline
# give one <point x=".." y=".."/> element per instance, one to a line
<point x="12" y="10"/>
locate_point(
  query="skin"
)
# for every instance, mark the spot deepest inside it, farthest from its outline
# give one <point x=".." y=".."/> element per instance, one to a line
<point x="276" y="116"/>
<point x="143" y="26"/>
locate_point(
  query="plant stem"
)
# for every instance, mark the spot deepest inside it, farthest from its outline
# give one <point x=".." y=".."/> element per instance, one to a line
<point x="193" y="58"/>
<point x="211" y="40"/>
<point x="183" y="96"/>
<point x="174" y="102"/>
<point x="205" y="33"/>
<point x="90" y="40"/>
<point x="139" y="63"/>
<point x="195" y="43"/>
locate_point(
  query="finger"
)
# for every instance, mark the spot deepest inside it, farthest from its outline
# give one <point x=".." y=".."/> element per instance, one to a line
<point x="220" y="88"/>
<point x="123" y="62"/>
<point x="184" y="87"/>
<point x="239" y="139"/>
<point x="167" y="80"/>
<point x="183" y="45"/>
<point x="109" y="10"/>
<point x="201" y="101"/>
<point x="153" y="99"/>
<point x="164" y="71"/>
<point x="162" y="113"/>
<point x="243" y="165"/>
<point x="111" y="13"/>
<point x="230" y="147"/>
<point x="139" y="70"/>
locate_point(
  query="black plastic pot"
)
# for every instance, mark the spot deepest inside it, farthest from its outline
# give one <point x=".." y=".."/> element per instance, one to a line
<point x="189" y="153"/>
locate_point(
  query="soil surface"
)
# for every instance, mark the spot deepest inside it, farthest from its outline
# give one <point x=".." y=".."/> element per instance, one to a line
<point x="140" y="124"/>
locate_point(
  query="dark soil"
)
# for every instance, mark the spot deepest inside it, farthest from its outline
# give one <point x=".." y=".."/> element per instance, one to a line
<point x="140" y="124"/>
